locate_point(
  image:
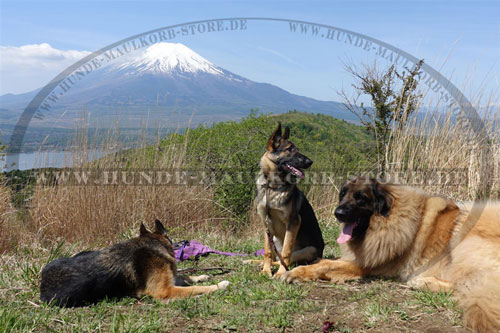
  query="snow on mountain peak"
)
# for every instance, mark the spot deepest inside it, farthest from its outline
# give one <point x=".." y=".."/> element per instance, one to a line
<point x="169" y="58"/>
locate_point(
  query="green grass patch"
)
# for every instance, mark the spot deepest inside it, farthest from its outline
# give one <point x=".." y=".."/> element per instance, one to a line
<point x="252" y="303"/>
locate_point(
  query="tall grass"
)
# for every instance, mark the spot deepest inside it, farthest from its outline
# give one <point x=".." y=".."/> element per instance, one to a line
<point x="93" y="213"/>
<point x="439" y="152"/>
<point x="8" y="223"/>
<point x="442" y="144"/>
<point x="442" y="153"/>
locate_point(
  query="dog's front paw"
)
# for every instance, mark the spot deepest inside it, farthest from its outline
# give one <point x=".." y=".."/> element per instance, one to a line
<point x="223" y="285"/>
<point x="267" y="272"/>
<point x="202" y="278"/>
<point x="296" y="275"/>
<point x="279" y="273"/>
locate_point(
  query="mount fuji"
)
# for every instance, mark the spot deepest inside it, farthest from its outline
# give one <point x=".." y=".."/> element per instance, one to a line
<point x="178" y="83"/>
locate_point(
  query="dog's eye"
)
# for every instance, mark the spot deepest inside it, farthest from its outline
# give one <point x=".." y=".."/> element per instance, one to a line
<point x="360" y="198"/>
<point x="342" y="193"/>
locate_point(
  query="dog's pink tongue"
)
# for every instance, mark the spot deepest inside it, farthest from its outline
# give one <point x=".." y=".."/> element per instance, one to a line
<point x="346" y="233"/>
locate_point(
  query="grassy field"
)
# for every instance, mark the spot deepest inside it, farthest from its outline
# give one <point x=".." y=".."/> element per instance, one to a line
<point x="40" y="222"/>
<point x="252" y="302"/>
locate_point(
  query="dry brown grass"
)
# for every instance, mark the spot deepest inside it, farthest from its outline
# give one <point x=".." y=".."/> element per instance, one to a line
<point x="10" y="234"/>
<point x="441" y="154"/>
<point x="96" y="213"/>
<point x="5" y="202"/>
<point x="442" y="144"/>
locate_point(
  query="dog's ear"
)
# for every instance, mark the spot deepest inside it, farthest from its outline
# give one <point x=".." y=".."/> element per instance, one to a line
<point x="159" y="228"/>
<point x="382" y="200"/>
<point x="143" y="230"/>
<point x="287" y="134"/>
<point x="274" y="139"/>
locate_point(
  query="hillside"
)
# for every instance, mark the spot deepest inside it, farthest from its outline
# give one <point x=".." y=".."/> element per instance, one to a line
<point x="330" y="142"/>
<point x="230" y="151"/>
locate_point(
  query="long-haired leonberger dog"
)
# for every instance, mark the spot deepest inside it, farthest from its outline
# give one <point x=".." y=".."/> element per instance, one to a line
<point x="428" y="241"/>
<point x="141" y="266"/>
<point x="283" y="208"/>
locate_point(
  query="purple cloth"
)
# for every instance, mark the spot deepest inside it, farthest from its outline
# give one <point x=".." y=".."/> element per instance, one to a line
<point x="259" y="252"/>
<point x="192" y="249"/>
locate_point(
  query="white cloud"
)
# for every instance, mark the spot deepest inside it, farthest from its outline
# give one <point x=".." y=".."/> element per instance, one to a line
<point x="27" y="67"/>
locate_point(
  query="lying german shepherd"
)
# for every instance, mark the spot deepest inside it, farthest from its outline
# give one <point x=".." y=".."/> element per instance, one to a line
<point x="144" y="265"/>
<point x="283" y="208"/>
<point x="425" y="240"/>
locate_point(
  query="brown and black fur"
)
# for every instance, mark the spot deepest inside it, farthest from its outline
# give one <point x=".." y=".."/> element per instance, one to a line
<point x="427" y="241"/>
<point x="283" y="208"/>
<point x="141" y="266"/>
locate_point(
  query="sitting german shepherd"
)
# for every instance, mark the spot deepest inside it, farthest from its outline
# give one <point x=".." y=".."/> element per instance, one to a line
<point x="144" y="265"/>
<point x="283" y="208"/>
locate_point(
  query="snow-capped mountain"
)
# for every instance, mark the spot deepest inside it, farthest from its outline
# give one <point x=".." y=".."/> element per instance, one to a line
<point x="169" y="58"/>
<point x="172" y="78"/>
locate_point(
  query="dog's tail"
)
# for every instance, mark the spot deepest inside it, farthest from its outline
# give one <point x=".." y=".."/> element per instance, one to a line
<point x="480" y="300"/>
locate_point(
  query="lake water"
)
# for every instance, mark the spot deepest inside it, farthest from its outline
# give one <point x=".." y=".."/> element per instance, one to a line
<point x="48" y="159"/>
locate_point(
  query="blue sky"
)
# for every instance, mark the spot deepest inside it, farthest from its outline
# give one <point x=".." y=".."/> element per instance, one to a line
<point x="459" y="38"/>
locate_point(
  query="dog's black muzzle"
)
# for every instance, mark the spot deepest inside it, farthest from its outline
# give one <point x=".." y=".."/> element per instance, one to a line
<point x="298" y="161"/>
<point x="343" y="213"/>
<point x="347" y="213"/>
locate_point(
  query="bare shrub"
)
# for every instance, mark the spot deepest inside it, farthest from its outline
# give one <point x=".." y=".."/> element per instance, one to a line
<point x="441" y="151"/>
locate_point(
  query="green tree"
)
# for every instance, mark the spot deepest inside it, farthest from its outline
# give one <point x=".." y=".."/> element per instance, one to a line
<point x="393" y="99"/>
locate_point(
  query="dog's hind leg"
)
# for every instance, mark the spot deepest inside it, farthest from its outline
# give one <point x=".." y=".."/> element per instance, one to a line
<point x="182" y="281"/>
<point x="307" y="254"/>
<point x="430" y="283"/>
<point x="199" y="278"/>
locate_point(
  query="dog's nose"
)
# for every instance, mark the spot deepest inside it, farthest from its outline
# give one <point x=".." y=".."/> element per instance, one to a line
<point x="340" y="213"/>
<point x="309" y="162"/>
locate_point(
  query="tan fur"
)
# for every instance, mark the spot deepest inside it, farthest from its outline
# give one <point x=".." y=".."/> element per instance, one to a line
<point x="144" y="265"/>
<point x="283" y="209"/>
<point x="268" y="257"/>
<point x="328" y="270"/>
<point x="162" y="273"/>
<point x="279" y="218"/>
<point x="429" y="242"/>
